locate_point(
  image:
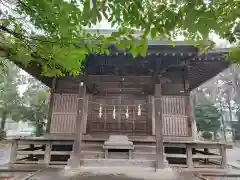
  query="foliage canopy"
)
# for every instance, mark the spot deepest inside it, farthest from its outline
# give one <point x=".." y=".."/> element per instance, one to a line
<point x="53" y="33"/>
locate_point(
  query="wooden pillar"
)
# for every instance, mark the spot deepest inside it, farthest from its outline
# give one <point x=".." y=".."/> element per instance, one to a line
<point x="153" y="115"/>
<point x="158" y="128"/>
<point x="194" y="125"/>
<point x="50" y="110"/>
<point x="85" y="110"/>
<point x="224" y="156"/>
<point x="188" y="113"/>
<point x="189" y="156"/>
<point x="47" y="154"/>
<point x="74" y="161"/>
<point x="13" y="154"/>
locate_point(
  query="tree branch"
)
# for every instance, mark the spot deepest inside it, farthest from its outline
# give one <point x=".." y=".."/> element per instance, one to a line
<point x="9" y="31"/>
<point x="22" y="36"/>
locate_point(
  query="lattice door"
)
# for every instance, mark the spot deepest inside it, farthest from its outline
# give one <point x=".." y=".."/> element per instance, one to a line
<point x="133" y="125"/>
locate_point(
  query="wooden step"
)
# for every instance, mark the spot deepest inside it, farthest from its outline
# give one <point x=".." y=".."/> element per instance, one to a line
<point x="117" y="163"/>
<point x="137" y="148"/>
<point x="124" y="155"/>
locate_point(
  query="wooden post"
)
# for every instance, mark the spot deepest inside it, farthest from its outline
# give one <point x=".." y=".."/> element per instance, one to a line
<point x="159" y="128"/>
<point x="153" y="115"/>
<point x="84" y="126"/>
<point x="224" y="156"/>
<point x="48" y="129"/>
<point x="149" y="115"/>
<point x="194" y="125"/>
<point x="74" y="161"/>
<point x="130" y="154"/>
<point x="47" y="155"/>
<point x="106" y="154"/>
<point x="13" y="154"/>
<point x="189" y="156"/>
<point x="188" y="114"/>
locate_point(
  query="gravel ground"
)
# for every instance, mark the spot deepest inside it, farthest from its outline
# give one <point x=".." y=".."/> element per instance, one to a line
<point x="4" y="156"/>
<point x="48" y="174"/>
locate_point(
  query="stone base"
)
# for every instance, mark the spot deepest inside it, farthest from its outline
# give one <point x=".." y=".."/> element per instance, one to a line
<point x="165" y="162"/>
<point x="166" y="173"/>
<point x="73" y="162"/>
<point x="165" y="170"/>
<point x="166" y="165"/>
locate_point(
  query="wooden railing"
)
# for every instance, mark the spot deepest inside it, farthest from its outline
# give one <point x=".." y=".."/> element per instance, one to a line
<point x="54" y="151"/>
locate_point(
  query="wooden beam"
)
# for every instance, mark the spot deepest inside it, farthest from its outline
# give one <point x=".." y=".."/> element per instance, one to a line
<point x="50" y="110"/>
<point x="159" y="128"/>
<point x="114" y="78"/>
<point x="74" y="161"/>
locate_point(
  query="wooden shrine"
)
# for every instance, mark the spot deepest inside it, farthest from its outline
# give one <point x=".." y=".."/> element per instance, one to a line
<point x="145" y="99"/>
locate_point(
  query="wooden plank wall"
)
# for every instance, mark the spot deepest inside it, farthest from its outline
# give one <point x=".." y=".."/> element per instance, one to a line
<point x="175" y="122"/>
<point x="63" y="117"/>
<point x="64" y="113"/>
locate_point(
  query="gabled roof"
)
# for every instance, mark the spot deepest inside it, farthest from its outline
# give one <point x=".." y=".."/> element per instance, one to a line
<point x="202" y="67"/>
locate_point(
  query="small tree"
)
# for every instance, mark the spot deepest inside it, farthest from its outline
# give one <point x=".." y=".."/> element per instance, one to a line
<point x="36" y="106"/>
<point x="236" y="126"/>
<point x="10" y="100"/>
<point x="207" y="135"/>
<point x="2" y="134"/>
<point x="207" y="116"/>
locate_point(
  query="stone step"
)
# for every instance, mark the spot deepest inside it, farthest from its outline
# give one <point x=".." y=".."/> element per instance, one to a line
<point x="117" y="163"/>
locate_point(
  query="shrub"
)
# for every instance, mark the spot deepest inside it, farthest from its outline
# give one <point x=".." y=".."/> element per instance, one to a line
<point x="207" y="135"/>
<point x="2" y="134"/>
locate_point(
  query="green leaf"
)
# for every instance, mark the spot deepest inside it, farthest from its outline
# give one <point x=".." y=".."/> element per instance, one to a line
<point x="153" y="33"/>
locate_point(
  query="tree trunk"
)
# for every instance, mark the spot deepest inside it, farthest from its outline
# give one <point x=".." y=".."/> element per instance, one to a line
<point x="38" y="129"/>
<point x="3" y="120"/>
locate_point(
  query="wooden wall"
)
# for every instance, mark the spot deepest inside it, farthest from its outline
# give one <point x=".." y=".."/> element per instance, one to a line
<point x="64" y="113"/>
<point x="175" y="121"/>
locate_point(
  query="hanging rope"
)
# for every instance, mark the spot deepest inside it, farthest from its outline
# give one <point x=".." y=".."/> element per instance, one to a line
<point x="100" y="111"/>
<point x="129" y="105"/>
<point x="114" y="112"/>
<point x="139" y="110"/>
<point x="127" y="115"/>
